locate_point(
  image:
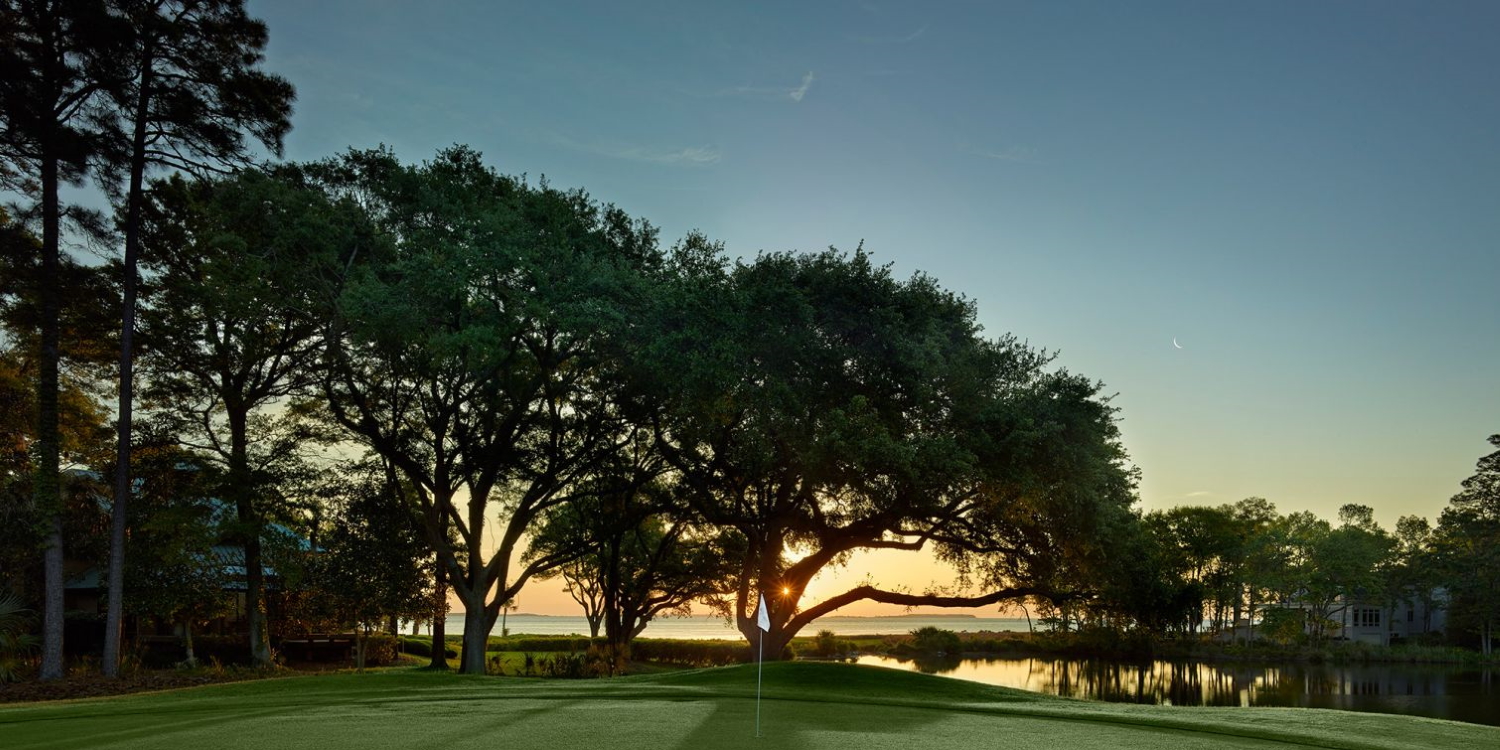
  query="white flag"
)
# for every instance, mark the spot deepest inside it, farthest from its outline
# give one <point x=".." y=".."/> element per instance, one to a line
<point x="763" y="618"/>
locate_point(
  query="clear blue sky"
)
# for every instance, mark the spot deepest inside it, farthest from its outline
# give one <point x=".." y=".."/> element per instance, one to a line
<point x="1305" y="195"/>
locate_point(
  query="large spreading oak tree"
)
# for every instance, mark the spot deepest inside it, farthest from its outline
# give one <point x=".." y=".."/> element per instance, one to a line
<point x="474" y="354"/>
<point x="819" y="406"/>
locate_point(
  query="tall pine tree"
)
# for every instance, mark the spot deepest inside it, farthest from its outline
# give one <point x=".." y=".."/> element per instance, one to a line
<point x="55" y="57"/>
<point x="191" y="94"/>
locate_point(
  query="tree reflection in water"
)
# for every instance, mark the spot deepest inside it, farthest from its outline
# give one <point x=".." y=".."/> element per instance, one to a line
<point x="1465" y="694"/>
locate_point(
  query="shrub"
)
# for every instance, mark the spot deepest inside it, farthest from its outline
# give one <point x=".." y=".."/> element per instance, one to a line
<point x="691" y="653"/>
<point x="932" y="640"/>
<point x="423" y="647"/>
<point x="16" y="642"/>
<point x="827" y="645"/>
<point x="380" y="650"/>
<point x="1284" y="625"/>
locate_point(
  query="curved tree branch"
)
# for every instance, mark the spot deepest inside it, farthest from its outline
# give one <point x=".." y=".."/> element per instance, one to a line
<point x="870" y="593"/>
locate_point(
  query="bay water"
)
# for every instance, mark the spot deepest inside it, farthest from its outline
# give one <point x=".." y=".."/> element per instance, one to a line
<point x="706" y="627"/>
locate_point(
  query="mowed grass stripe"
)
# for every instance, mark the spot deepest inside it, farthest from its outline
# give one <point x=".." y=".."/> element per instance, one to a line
<point x="807" y="705"/>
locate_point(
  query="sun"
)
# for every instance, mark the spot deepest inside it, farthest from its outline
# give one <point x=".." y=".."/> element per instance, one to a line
<point x="786" y="590"/>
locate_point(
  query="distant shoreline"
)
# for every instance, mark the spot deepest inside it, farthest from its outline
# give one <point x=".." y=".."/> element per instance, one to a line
<point x="710" y="627"/>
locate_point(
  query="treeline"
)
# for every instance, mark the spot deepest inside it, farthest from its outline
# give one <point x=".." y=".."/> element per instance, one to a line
<point x="534" y="387"/>
<point x="351" y="386"/>
<point x="1245" y="572"/>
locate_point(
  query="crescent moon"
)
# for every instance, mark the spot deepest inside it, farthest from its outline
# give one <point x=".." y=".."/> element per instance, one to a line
<point x="1174" y="342"/>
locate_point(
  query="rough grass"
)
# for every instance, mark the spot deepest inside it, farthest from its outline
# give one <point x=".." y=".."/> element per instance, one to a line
<point x="807" y="705"/>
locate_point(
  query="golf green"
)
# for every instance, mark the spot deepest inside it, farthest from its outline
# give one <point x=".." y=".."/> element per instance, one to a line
<point x="806" y="705"/>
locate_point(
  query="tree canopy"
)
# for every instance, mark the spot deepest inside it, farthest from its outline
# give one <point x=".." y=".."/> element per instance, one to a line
<point x="818" y="406"/>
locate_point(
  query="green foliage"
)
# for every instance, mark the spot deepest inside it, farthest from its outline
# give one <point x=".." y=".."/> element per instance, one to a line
<point x="639" y="552"/>
<point x="692" y="653"/>
<point x="1285" y="625"/>
<point x="816" y="402"/>
<point x="482" y="327"/>
<point x="934" y="640"/>
<point x="419" y="646"/>
<point x="16" y="640"/>
<point x="1467" y="549"/>
<point x="372" y="564"/>
<point x="172" y="571"/>
<point x="827" y="645"/>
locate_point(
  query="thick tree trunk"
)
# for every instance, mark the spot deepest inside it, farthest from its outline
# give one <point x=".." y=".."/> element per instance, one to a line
<point x="48" y="490"/>
<point x="476" y="638"/>
<point x="113" y="631"/>
<point x="255" y="585"/>
<point x="250" y="527"/>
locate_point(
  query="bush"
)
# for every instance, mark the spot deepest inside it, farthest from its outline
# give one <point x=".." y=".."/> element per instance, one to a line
<point x="932" y="640"/>
<point x="1284" y="625"/>
<point x="380" y="650"/>
<point x="691" y="653"/>
<point x="423" y="647"/>
<point x="826" y="645"/>
<point x="550" y="643"/>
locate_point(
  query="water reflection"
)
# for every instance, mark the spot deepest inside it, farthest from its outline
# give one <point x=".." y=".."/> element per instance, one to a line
<point x="1439" y="691"/>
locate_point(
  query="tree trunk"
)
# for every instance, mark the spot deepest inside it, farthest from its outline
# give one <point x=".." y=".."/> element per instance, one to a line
<point x="476" y="638"/>
<point x="250" y="527"/>
<point x="112" y="627"/>
<point x="48" y="491"/>
<point x="439" y="657"/>
<point x="187" y="642"/>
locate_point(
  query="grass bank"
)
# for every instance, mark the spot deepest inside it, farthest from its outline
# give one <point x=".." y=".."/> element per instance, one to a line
<point x="807" y="705"/>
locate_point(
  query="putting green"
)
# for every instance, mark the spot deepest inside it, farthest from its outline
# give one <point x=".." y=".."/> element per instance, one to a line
<point x="806" y="705"/>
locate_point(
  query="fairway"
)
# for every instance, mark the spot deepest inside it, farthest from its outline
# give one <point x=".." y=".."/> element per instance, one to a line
<point x="807" y="705"/>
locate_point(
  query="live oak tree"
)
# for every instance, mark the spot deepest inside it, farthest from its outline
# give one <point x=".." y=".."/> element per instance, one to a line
<point x="474" y="354"/>
<point x="55" y="59"/>
<point x="641" y="554"/>
<point x="820" y="407"/>
<point x="231" y="333"/>
<point x="185" y="93"/>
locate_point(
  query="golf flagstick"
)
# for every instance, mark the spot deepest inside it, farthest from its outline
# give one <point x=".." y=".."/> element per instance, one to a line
<point x="764" y="621"/>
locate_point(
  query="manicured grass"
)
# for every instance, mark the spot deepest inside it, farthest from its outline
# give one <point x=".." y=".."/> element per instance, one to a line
<point x="807" y="705"/>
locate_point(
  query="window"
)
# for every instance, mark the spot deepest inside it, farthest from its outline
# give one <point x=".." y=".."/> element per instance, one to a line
<point x="1411" y="614"/>
<point x="1367" y="618"/>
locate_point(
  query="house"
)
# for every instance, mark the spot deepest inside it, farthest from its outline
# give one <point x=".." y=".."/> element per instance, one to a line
<point x="1385" y="622"/>
<point x="1366" y="619"/>
<point x="220" y="567"/>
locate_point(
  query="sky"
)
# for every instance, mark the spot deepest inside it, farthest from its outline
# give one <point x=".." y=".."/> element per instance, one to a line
<point x="1304" y="196"/>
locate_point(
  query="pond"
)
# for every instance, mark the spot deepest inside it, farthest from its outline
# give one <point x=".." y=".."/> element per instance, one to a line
<point x="1440" y="691"/>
